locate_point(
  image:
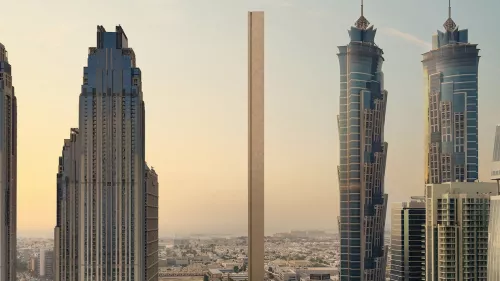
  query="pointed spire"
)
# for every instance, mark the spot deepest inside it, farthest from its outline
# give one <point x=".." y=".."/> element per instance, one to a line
<point x="449" y="25"/>
<point x="362" y="22"/>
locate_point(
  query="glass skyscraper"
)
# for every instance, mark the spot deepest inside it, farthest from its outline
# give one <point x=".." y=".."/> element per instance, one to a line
<point x="363" y="153"/>
<point x="451" y="74"/>
<point x="407" y="241"/>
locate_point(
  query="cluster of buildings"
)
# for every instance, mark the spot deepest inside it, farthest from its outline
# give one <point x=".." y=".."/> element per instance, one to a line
<point x="447" y="232"/>
<point x="107" y="195"/>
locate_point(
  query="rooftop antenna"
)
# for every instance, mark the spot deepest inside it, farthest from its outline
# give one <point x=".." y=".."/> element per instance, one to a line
<point x="449" y="24"/>
<point x="362" y="22"/>
<point x="449" y="9"/>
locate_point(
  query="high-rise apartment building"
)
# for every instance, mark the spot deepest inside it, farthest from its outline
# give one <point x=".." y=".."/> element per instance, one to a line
<point x="363" y="153"/>
<point x="107" y="221"/>
<point x="451" y="77"/>
<point x="494" y="240"/>
<point x="8" y="171"/>
<point x="456" y="230"/>
<point x="494" y="223"/>
<point x="256" y="145"/>
<point x="407" y="241"/>
<point x="45" y="264"/>
<point x="66" y="231"/>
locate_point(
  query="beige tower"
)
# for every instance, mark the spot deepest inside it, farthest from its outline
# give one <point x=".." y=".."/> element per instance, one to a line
<point x="256" y="145"/>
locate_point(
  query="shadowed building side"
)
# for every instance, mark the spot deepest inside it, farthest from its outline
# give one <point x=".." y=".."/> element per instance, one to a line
<point x="151" y="224"/>
<point x="256" y="146"/>
<point x="8" y="172"/>
<point x="66" y="230"/>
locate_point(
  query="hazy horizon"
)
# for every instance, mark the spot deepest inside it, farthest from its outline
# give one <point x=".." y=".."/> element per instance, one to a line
<point x="193" y="57"/>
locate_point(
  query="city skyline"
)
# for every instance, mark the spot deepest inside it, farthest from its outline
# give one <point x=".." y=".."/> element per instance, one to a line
<point x="304" y="111"/>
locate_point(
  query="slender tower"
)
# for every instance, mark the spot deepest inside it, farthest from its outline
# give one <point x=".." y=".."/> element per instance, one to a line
<point x="256" y="145"/>
<point x="363" y="154"/>
<point x="8" y="171"/>
<point x="451" y="92"/>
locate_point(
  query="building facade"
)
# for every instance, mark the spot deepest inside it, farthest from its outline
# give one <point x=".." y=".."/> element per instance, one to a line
<point x="457" y="217"/>
<point x="151" y="225"/>
<point x="8" y="172"/>
<point x="66" y="231"/>
<point x="495" y="165"/>
<point x="407" y="241"/>
<point x="107" y="211"/>
<point x="494" y="240"/>
<point x="46" y="264"/>
<point x="451" y="89"/>
<point x="363" y="153"/>
<point x="256" y="145"/>
<point x="112" y="236"/>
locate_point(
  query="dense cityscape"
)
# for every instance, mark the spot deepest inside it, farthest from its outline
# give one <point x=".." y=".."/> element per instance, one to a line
<point x="107" y="216"/>
<point x="295" y="254"/>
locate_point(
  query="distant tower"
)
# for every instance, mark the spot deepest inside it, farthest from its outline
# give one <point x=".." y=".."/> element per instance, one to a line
<point x="256" y="146"/>
<point x="363" y="154"/>
<point x="451" y="77"/>
<point x="8" y="171"/>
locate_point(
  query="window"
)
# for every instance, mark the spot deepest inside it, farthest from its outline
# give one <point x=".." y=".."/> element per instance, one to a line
<point x="459" y="132"/>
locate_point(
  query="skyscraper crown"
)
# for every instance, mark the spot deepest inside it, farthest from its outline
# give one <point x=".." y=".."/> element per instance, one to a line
<point x="449" y="25"/>
<point x="362" y="23"/>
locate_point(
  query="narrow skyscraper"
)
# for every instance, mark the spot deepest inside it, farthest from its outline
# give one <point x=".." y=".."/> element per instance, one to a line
<point x="66" y="230"/>
<point x="8" y="170"/>
<point x="363" y="154"/>
<point x="451" y="77"/>
<point x="407" y="241"/>
<point x="107" y="223"/>
<point x="256" y="145"/>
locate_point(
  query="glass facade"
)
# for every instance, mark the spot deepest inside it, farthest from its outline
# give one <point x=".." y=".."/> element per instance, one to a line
<point x="362" y="156"/>
<point x="451" y="77"/>
<point x="494" y="240"/>
<point x="407" y="241"/>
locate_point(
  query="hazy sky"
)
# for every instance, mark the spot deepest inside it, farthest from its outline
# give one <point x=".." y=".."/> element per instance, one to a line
<point x="193" y="56"/>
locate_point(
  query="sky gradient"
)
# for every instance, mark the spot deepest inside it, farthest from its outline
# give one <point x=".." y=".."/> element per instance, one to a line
<point x="193" y="56"/>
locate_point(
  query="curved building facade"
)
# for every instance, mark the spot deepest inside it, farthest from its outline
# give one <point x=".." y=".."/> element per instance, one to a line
<point x="363" y="154"/>
<point x="451" y="77"/>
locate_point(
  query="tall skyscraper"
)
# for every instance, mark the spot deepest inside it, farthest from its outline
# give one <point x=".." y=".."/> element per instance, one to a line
<point x="66" y="231"/>
<point x="114" y="189"/>
<point x="256" y="145"/>
<point x="407" y="241"/>
<point x="451" y="75"/>
<point x="456" y="230"/>
<point x="363" y="153"/>
<point x="8" y="171"/>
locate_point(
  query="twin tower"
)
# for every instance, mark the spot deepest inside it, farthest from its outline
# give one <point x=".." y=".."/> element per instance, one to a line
<point x="450" y="70"/>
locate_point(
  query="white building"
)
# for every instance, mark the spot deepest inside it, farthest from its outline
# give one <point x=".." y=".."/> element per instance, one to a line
<point x="457" y="230"/>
